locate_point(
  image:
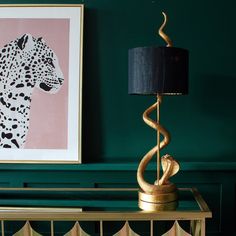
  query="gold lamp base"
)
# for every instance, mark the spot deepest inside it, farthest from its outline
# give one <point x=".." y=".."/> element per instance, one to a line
<point x="161" y="200"/>
<point x="162" y="195"/>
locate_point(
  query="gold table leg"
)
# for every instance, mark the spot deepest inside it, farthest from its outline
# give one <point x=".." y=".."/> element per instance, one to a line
<point x="2" y="228"/>
<point x="198" y="227"/>
<point x="52" y="228"/>
<point x="151" y="228"/>
<point x="101" y="228"/>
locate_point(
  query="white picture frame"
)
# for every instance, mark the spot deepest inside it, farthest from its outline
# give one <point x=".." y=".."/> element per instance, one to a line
<point x="51" y="36"/>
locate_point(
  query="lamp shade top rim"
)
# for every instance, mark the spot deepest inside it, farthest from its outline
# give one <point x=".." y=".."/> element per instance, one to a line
<point x="156" y="47"/>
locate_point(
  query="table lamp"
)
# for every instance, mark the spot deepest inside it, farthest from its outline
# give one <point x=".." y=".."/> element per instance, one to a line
<point x="158" y="71"/>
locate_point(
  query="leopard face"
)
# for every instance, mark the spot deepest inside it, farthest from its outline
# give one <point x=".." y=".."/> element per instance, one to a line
<point x="25" y="63"/>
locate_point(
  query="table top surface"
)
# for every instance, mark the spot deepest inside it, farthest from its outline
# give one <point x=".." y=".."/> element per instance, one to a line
<point x="93" y="204"/>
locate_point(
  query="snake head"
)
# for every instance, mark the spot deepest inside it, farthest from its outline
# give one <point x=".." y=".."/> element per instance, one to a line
<point x="170" y="167"/>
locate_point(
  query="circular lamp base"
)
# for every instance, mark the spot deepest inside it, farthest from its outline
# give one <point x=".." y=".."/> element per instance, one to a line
<point x="158" y="201"/>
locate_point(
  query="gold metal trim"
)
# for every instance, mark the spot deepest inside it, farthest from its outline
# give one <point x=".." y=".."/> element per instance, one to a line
<point x="151" y="228"/>
<point x="69" y="189"/>
<point x="101" y="228"/>
<point x="2" y="228"/>
<point x="109" y="216"/>
<point x="64" y="214"/>
<point x="76" y="231"/>
<point x="27" y="230"/>
<point x="176" y="230"/>
<point x="41" y="5"/>
<point x="200" y="201"/>
<point x="52" y="228"/>
<point x="126" y="230"/>
<point x="81" y="82"/>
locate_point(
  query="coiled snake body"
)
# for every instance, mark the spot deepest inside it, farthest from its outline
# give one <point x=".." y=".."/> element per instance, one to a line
<point x="169" y="165"/>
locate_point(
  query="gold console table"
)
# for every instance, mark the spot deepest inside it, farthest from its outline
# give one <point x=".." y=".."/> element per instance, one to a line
<point x="100" y="206"/>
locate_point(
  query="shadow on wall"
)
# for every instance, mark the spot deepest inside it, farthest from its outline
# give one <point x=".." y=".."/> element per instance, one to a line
<point x="91" y="122"/>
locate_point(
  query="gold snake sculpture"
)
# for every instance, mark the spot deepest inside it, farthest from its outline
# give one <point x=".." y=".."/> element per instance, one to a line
<point x="162" y="34"/>
<point x="169" y="166"/>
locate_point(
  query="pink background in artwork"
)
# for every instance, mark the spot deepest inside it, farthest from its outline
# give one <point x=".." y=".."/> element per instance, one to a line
<point x="49" y="112"/>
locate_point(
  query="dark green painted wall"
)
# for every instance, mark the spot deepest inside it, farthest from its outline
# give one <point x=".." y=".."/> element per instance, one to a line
<point x="202" y="124"/>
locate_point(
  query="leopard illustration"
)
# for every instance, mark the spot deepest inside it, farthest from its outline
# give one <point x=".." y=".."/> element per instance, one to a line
<point x="25" y="63"/>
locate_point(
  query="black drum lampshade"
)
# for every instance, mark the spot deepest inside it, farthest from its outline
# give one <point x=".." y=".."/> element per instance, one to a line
<point x="158" y="70"/>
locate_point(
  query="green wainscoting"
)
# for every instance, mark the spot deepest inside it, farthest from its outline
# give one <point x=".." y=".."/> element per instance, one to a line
<point x="202" y="124"/>
<point x="215" y="181"/>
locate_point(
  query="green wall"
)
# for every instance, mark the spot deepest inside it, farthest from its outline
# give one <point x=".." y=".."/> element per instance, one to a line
<point x="202" y="123"/>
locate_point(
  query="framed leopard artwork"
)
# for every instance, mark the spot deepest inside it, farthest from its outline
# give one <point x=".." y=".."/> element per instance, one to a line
<point x="40" y="83"/>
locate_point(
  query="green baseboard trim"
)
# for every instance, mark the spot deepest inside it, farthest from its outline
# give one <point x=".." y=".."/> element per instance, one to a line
<point x="185" y="166"/>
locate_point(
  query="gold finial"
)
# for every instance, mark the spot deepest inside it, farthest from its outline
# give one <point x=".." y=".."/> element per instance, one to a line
<point x="162" y="34"/>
